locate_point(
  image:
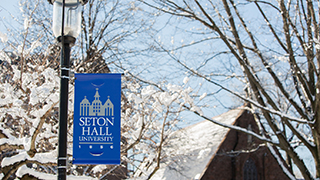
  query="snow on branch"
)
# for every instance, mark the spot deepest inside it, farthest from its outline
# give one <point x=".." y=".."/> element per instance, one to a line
<point x="43" y="158"/>
<point x="285" y="170"/>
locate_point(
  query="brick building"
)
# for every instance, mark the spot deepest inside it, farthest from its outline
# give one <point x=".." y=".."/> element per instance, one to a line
<point x="208" y="151"/>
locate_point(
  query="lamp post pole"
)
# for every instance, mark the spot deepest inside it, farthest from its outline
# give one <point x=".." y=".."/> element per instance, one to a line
<point x="66" y="43"/>
<point x="66" y="27"/>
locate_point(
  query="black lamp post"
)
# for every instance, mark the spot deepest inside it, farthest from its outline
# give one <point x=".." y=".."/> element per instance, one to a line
<point x="66" y="27"/>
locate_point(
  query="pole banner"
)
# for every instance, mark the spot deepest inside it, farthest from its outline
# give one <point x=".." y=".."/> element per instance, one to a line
<point x="96" y="123"/>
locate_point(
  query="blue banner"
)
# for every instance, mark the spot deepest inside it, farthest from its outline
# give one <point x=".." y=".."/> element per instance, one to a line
<point x="96" y="132"/>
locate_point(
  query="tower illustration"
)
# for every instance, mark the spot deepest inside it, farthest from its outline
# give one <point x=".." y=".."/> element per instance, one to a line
<point x="96" y="108"/>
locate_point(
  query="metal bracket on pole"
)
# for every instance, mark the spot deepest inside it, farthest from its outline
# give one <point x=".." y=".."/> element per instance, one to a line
<point x="62" y="167"/>
<point x="65" y="68"/>
<point x="65" y="77"/>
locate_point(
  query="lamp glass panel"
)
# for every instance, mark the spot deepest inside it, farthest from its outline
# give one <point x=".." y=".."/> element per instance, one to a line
<point x="72" y="18"/>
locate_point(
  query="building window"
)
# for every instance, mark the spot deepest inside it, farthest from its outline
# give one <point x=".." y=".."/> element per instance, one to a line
<point x="96" y="107"/>
<point x="250" y="170"/>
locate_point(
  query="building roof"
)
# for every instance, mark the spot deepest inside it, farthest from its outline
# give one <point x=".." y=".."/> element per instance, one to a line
<point x="190" y="149"/>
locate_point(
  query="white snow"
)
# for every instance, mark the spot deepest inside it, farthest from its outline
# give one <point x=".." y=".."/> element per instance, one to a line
<point x="202" y="96"/>
<point x="49" y="157"/>
<point x="186" y="80"/>
<point x="285" y="170"/>
<point x="25" y="170"/>
<point x="3" y="37"/>
<point x="27" y="23"/>
<point x="99" y="168"/>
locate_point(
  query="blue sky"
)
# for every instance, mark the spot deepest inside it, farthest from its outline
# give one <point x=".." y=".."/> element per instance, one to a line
<point x="10" y="6"/>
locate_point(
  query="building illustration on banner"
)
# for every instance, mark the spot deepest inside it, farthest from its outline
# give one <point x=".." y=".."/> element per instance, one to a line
<point x="96" y="108"/>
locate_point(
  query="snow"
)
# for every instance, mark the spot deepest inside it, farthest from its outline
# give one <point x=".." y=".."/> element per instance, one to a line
<point x="98" y="168"/>
<point x="157" y="106"/>
<point x="11" y="139"/>
<point x="174" y="88"/>
<point x="25" y="170"/>
<point x="197" y="109"/>
<point x="13" y="101"/>
<point x="202" y="96"/>
<point x="3" y="37"/>
<point x="186" y="80"/>
<point x="190" y="149"/>
<point x="285" y="170"/>
<point x="26" y="23"/>
<point x="49" y="157"/>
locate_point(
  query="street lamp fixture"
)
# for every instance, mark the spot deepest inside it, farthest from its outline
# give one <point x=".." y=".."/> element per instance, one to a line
<point x="66" y="18"/>
<point x="72" y="18"/>
<point x="66" y="27"/>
